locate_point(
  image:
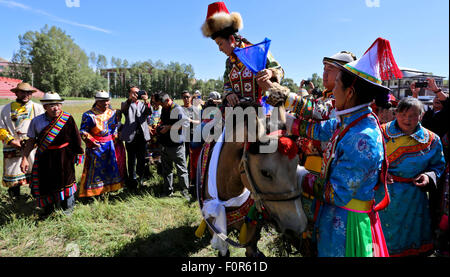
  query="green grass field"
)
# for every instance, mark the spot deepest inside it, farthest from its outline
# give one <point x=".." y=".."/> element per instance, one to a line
<point x="119" y="224"/>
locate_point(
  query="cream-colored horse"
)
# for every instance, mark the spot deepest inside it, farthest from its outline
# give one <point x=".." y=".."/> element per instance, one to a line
<point x="271" y="179"/>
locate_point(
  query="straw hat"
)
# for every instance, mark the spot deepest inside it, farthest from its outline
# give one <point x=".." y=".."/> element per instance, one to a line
<point x="23" y="87"/>
<point x="51" y="98"/>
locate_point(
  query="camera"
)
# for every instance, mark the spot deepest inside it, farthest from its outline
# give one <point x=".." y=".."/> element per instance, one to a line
<point x="422" y="84"/>
<point x="140" y="93"/>
<point x="306" y="82"/>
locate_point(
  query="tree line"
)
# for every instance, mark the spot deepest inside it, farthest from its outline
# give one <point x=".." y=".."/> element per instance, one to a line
<point x="52" y="61"/>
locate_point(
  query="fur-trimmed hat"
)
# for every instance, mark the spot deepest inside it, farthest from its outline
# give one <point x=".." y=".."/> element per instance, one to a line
<point x="220" y="22"/>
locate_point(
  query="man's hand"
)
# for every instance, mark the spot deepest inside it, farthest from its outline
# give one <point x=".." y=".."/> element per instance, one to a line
<point x="16" y="143"/>
<point x="432" y="85"/>
<point x="133" y="96"/>
<point x="422" y="180"/>
<point x="415" y="91"/>
<point x="24" y="165"/>
<point x="164" y="129"/>
<point x="145" y="97"/>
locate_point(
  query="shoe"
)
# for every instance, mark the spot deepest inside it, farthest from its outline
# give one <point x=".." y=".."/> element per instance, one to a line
<point x="186" y="195"/>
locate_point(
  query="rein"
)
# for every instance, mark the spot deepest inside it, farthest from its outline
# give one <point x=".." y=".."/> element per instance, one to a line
<point x="258" y="195"/>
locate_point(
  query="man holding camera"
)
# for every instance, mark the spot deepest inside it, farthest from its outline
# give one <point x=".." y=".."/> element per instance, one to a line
<point x="434" y="119"/>
<point x="135" y="133"/>
<point x="171" y="137"/>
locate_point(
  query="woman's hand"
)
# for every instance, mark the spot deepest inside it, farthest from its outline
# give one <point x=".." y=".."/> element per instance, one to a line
<point x="232" y="99"/>
<point x="422" y="180"/>
<point x="263" y="79"/>
<point x="389" y="179"/>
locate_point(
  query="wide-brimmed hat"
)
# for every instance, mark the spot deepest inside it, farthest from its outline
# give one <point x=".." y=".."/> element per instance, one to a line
<point x="376" y="65"/>
<point x="23" y="87"/>
<point x="102" y="95"/>
<point x="219" y="21"/>
<point x="342" y="57"/>
<point x="51" y="98"/>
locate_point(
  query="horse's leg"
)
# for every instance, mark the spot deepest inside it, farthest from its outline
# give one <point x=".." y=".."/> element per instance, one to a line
<point x="227" y="255"/>
<point x="252" y="250"/>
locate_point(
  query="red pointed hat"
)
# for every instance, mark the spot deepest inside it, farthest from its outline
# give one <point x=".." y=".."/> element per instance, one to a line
<point x="220" y="21"/>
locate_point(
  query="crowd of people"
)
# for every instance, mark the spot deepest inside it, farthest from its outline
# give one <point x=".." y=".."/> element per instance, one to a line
<point x="378" y="172"/>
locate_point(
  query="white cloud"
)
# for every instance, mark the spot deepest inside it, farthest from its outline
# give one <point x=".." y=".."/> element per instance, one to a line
<point x="13" y="4"/>
<point x="373" y="3"/>
<point x="73" y="3"/>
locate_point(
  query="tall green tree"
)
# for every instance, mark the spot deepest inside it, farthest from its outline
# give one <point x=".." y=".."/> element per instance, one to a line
<point x="57" y="63"/>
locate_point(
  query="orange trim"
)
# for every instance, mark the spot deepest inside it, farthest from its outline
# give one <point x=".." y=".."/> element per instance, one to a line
<point x="409" y="149"/>
<point x="54" y="147"/>
<point x="98" y="191"/>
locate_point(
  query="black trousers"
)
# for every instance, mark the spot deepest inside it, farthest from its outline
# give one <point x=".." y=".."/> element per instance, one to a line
<point x="136" y="151"/>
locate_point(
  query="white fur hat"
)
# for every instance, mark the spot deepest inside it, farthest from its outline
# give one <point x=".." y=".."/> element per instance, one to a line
<point x="51" y="98"/>
<point x="102" y="95"/>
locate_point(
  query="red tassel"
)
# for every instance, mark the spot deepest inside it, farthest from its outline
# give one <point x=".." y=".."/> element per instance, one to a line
<point x="287" y="147"/>
<point x="388" y="66"/>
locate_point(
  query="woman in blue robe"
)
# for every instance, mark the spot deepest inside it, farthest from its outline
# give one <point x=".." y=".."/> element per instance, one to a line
<point x="416" y="161"/>
<point x="99" y="130"/>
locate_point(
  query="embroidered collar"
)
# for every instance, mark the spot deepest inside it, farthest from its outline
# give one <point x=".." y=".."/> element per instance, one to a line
<point x="394" y="131"/>
<point x="346" y="116"/>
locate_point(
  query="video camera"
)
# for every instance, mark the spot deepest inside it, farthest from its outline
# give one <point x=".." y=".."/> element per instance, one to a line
<point x="423" y="84"/>
<point x="140" y="93"/>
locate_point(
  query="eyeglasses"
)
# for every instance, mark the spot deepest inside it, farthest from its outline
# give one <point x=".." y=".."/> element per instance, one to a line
<point x="186" y="97"/>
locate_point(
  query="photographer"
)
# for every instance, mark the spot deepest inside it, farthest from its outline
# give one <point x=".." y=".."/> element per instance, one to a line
<point x="135" y="133"/>
<point x="435" y="119"/>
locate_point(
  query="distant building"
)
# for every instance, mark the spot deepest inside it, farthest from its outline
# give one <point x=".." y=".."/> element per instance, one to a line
<point x="6" y="84"/>
<point x="400" y="87"/>
<point x="3" y="64"/>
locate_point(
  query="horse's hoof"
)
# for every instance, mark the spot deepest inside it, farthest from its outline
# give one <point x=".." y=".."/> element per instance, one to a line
<point x="255" y="254"/>
<point x="227" y="255"/>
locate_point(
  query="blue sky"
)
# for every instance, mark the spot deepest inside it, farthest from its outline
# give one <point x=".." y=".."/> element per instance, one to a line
<point x="302" y="32"/>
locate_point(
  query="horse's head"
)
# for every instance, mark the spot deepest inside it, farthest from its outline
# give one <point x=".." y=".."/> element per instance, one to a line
<point x="269" y="170"/>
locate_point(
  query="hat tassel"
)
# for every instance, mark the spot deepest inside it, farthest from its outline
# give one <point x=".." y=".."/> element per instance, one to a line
<point x="387" y="64"/>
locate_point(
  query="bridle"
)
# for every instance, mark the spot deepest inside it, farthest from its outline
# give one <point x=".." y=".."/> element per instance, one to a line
<point x="258" y="195"/>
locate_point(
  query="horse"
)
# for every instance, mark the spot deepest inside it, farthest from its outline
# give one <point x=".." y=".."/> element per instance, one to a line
<point x="270" y="178"/>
